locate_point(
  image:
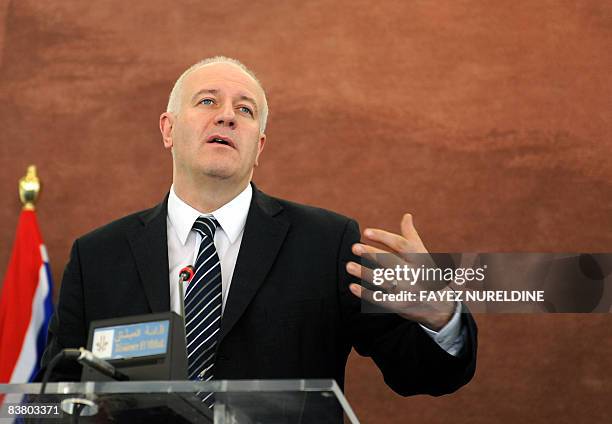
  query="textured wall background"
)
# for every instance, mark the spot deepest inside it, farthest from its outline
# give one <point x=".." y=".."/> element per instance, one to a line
<point x="489" y="121"/>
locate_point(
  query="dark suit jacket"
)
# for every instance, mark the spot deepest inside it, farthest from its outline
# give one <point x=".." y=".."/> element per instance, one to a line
<point x="289" y="313"/>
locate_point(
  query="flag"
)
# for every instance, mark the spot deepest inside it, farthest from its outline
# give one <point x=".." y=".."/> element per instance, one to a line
<point x="25" y="304"/>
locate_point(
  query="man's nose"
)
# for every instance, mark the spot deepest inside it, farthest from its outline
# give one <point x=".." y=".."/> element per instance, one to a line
<point x="226" y="116"/>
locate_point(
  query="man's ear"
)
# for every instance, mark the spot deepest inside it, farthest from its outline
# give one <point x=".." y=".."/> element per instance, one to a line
<point x="166" y="123"/>
<point x="261" y="142"/>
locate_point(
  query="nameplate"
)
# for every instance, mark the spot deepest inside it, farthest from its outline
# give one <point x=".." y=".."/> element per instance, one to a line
<point x="131" y="340"/>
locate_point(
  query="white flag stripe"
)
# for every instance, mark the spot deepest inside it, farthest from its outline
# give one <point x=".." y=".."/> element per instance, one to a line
<point x="43" y="254"/>
<point x="28" y="356"/>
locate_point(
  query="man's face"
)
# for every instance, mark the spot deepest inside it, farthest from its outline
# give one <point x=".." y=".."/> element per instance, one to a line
<point x="216" y="132"/>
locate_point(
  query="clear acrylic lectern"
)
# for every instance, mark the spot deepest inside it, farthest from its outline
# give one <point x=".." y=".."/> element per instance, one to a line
<point x="235" y="402"/>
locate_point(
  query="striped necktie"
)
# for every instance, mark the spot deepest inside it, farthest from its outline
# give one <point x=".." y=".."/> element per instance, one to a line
<point x="203" y="301"/>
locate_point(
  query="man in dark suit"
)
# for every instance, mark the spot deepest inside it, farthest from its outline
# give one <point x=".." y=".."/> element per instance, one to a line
<point x="286" y="303"/>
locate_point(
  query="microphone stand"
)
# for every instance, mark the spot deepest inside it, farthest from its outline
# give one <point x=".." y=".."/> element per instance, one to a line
<point x="185" y="276"/>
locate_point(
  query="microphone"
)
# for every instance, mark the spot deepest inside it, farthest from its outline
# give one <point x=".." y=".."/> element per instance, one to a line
<point x="185" y="276"/>
<point x="100" y="365"/>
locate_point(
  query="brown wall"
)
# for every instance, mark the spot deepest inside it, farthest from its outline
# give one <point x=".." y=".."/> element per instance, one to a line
<point x="489" y="121"/>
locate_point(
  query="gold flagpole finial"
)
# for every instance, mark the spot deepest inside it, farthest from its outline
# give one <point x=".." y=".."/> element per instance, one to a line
<point x="29" y="187"/>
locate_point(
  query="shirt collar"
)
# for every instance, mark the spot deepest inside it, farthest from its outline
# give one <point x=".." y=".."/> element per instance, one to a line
<point x="231" y="216"/>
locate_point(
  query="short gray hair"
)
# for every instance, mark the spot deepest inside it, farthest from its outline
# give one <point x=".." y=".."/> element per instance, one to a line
<point x="174" y="101"/>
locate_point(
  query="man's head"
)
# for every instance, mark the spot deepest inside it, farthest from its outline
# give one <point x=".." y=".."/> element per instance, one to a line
<point x="214" y="123"/>
<point x="174" y="101"/>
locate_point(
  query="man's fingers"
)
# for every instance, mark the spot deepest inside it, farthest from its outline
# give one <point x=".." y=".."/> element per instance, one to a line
<point x="366" y="274"/>
<point x="410" y="233"/>
<point x="362" y="293"/>
<point x="393" y="241"/>
<point x="355" y="269"/>
<point x="361" y="272"/>
<point x="395" y="307"/>
<point x="407" y="226"/>
<point x="431" y="315"/>
<point x="360" y="249"/>
<point x="356" y="289"/>
<point x="408" y="242"/>
<point x="375" y="257"/>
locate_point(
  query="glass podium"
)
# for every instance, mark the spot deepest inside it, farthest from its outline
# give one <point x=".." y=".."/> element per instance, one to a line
<point x="235" y="402"/>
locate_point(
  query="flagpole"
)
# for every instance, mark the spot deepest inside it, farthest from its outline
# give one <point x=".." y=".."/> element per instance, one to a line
<point x="26" y="293"/>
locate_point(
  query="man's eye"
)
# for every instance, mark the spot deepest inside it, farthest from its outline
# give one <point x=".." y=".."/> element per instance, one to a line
<point x="245" y="109"/>
<point x="207" y="101"/>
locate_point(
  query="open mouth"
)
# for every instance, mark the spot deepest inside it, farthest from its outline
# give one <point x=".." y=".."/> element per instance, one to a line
<point x="221" y="140"/>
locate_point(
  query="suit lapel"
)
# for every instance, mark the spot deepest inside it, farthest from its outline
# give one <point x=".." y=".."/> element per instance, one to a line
<point x="150" y="249"/>
<point x="264" y="233"/>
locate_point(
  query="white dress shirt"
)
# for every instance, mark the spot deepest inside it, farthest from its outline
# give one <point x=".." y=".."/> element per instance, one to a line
<point x="183" y="247"/>
<point x="183" y="243"/>
<point x="452" y="336"/>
